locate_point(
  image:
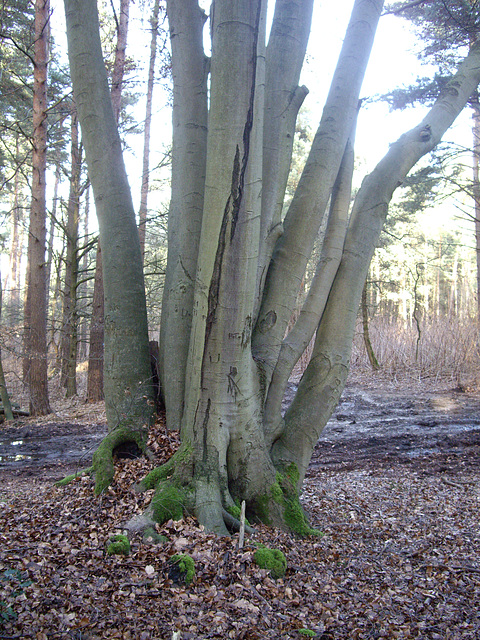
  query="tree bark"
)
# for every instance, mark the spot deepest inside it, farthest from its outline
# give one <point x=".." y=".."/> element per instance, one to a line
<point x="16" y="246"/>
<point x="142" y="212"/>
<point x="372" y="358"/>
<point x="35" y="305"/>
<point x="189" y="150"/>
<point x="309" y="203"/>
<point x="4" y="397"/>
<point x="95" y="379"/>
<point x="119" y="62"/>
<point x="97" y="335"/>
<point x="127" y="376"/>
<point x="69" y="344"/>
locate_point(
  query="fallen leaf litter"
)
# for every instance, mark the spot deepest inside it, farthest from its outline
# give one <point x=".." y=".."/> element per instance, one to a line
<point x="399" y="558"/>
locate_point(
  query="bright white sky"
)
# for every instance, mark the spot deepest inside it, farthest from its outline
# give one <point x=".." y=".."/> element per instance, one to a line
<point x="393" y="63"/>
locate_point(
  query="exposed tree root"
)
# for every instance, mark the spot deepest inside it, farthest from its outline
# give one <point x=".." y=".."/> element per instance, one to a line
<point x="103" y="457"/>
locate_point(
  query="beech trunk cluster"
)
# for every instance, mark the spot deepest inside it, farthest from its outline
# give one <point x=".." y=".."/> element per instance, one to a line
<point x="236" y="260"/>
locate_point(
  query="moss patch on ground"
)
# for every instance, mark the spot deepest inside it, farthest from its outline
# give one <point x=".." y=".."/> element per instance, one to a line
<point x="185" y="566"/>
<point x="118" y="545"/>
<point x="273" y="560"/>
<point x="151" y="536"/>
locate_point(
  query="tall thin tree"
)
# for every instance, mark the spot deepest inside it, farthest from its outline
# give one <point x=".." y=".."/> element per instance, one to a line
<point x="35" y="366"/>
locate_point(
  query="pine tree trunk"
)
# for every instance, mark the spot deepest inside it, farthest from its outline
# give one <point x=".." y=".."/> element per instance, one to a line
<point x="35" y="305"/>
<point x="119" y="62"/>
<point x="16" y="249"/>
<point x="4" y="397"/>
<point x="69" y="342"/>
<point x="97" y="336"/>
<point x="372" y="358"/>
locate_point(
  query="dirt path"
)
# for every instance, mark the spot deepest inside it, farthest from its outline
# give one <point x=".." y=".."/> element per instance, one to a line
<point x="371" y="426"/>
<point x="380" y="427"/>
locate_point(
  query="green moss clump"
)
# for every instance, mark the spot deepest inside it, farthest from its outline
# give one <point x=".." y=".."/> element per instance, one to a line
<point x="293" y="474"/>
<point x="164" y="472"/>
<point x="155" y="476"/>
<point x="276" y="491"/>
<point x="151" y="535"/>
<point x="273" y="560"/>
<point x="118" y="545"/>
<point x="307" y="632"/>
<point x="235" y="511"/>
<point x="186" y="566"/>
<point x="168" y="504"/>
<point x="68" y="479"/>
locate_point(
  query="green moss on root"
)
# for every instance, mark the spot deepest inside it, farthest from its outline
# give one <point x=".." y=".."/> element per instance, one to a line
<point x="103" y="456"/>
<point x="262" y="509"/>
<point x="159" y="474"/>
<point x="186" y="566"/>
<point x="168" y="503"/>
<point x="271" y="559"/>
<point x="236" y="511"/>
<point x="118" y="545"/>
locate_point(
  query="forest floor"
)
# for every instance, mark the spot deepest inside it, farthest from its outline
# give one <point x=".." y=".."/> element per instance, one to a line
<point x="394" y="489"/>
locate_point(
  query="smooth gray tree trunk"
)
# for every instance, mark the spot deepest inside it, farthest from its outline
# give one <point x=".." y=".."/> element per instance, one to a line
<point x="127" y="375"/>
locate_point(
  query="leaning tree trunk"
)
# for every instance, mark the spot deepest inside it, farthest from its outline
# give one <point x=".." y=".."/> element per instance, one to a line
<point x="127" y="376"/>
<point x="95" y="379"/>
<point x="35" y="305"/>
<point x="324" y="378"/>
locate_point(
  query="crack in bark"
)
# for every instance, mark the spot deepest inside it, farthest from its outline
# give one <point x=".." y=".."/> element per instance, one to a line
<point x="232" y="207"/>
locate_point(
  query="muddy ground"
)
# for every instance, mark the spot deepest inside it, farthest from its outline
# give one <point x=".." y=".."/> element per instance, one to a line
<point x="374" y="425"/>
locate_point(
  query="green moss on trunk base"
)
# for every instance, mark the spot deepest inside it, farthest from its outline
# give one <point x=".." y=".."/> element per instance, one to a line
<point x="284" y="492"/>
<point x="103" y="456"/>
<point x="168" y="503"/>
<point x="295" y="518"/>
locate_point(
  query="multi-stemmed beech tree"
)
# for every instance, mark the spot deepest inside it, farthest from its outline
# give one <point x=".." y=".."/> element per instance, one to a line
<point x="235" y="261"/>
